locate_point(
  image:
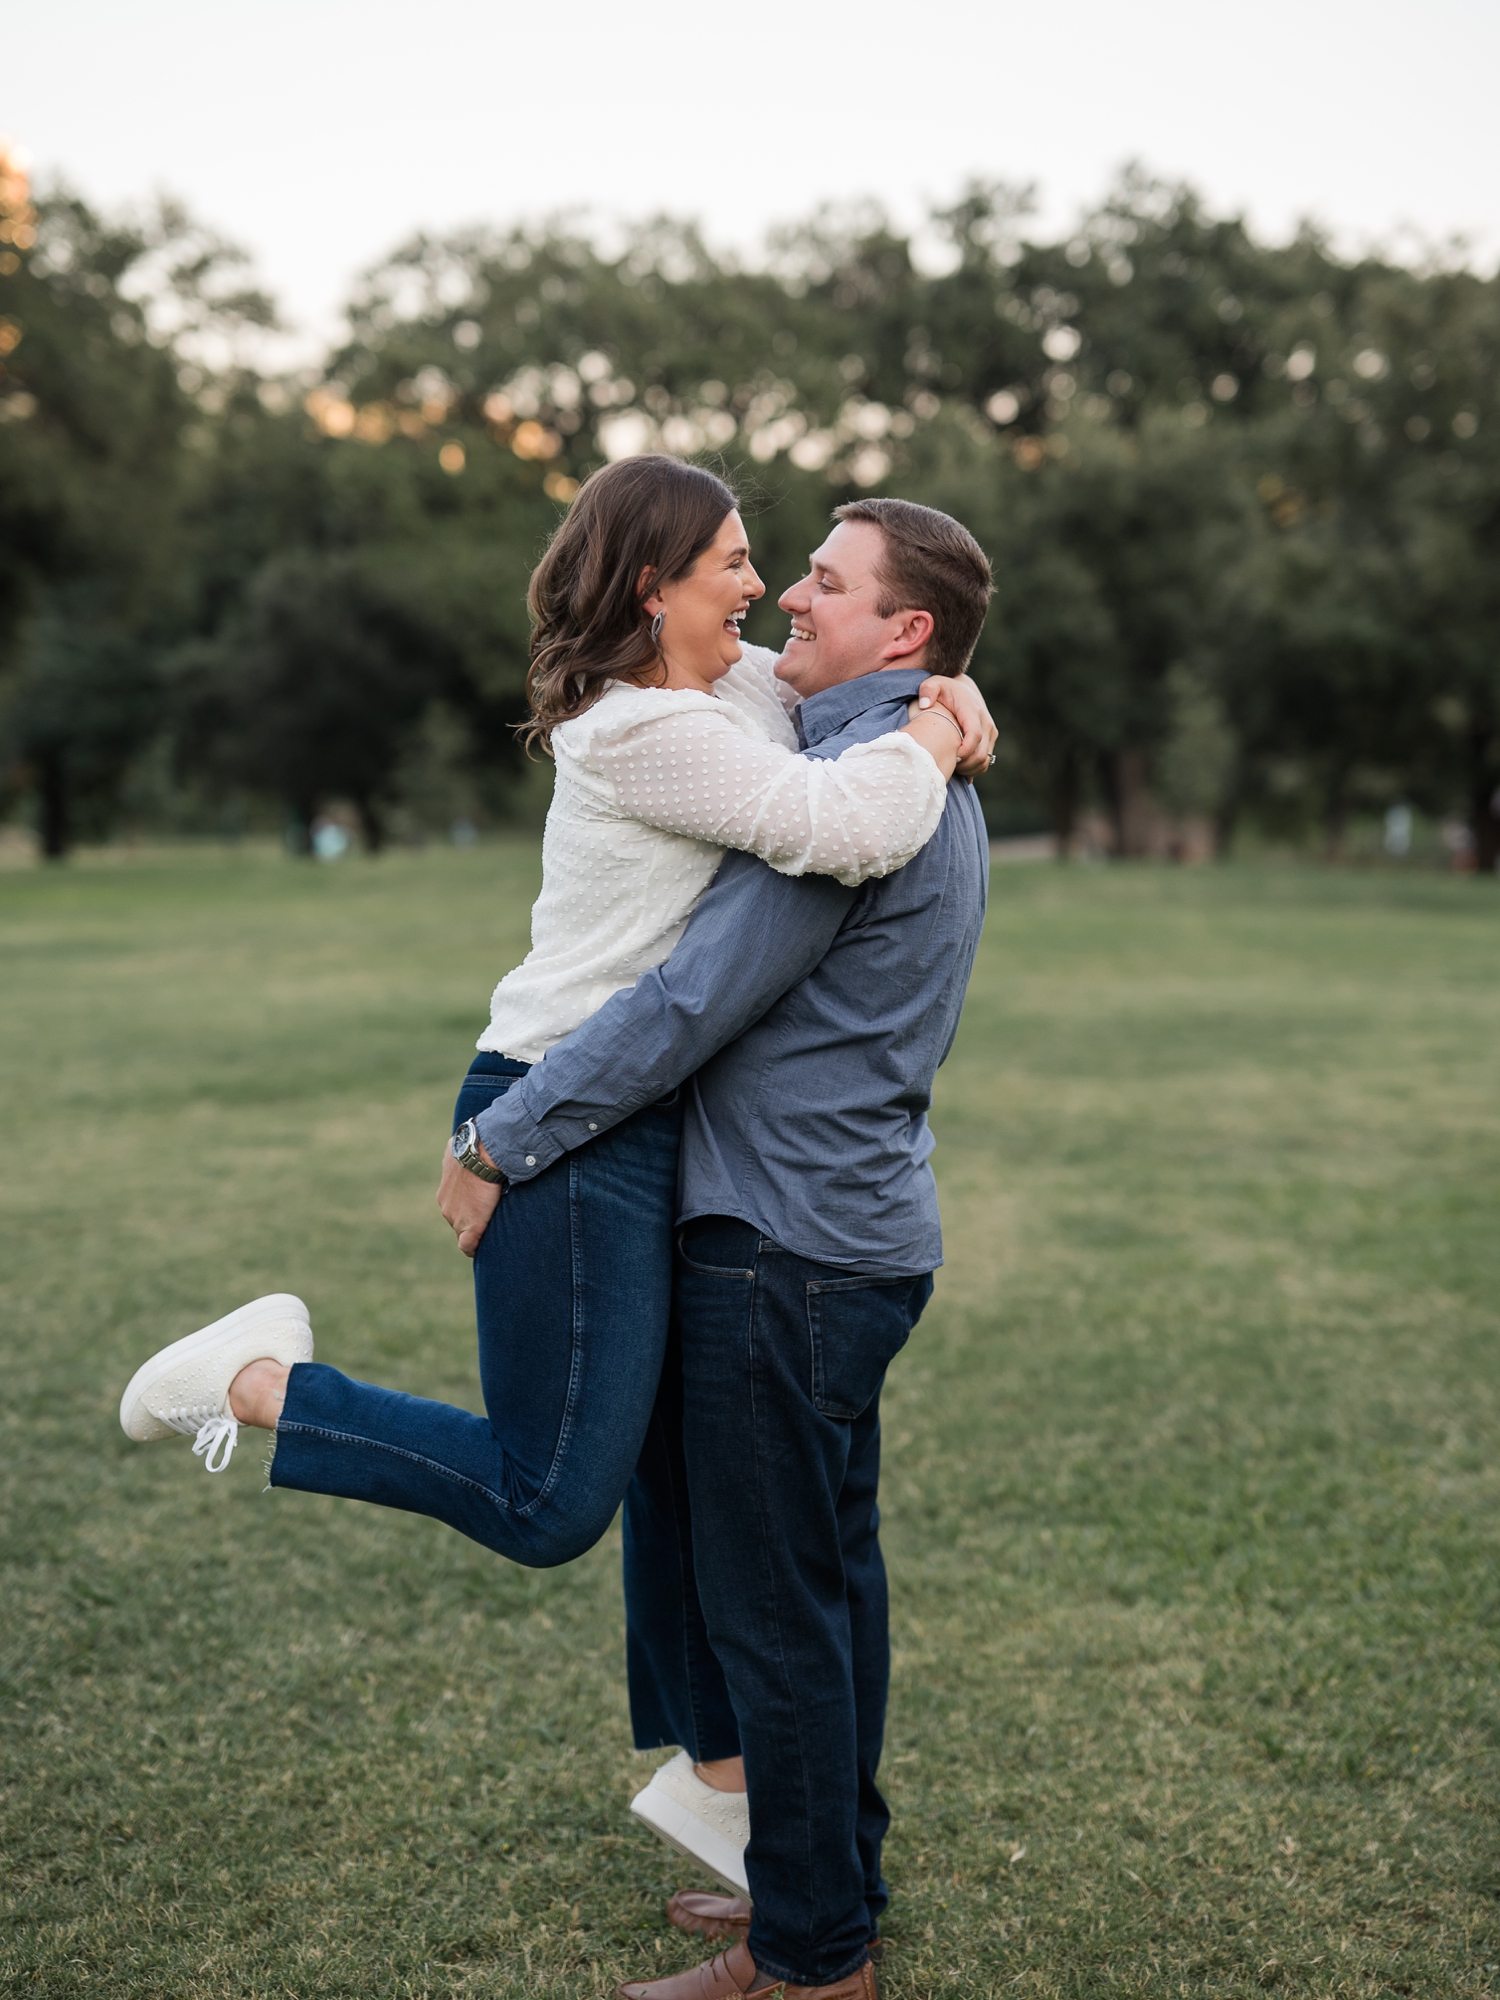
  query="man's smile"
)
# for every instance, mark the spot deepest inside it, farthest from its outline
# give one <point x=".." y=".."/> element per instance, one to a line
<point x="803" y="632"/>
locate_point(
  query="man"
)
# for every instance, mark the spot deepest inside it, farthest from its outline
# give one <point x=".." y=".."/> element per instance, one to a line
<point x="806" y="1021"/>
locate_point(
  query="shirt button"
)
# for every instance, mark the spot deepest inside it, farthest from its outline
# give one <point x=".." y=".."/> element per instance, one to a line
<point x="592" y="1126"/>
<point x="531" y="1159"/>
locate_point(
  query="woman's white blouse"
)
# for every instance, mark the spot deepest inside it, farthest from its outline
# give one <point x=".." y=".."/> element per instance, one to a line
<point x="652" y="785"/>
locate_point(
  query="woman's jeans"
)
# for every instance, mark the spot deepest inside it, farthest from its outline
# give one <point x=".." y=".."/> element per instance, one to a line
<point x="573" y="1288"/>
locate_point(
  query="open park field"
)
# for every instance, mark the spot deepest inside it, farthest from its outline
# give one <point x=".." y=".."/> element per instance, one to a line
<point x="1191" y="1487"/>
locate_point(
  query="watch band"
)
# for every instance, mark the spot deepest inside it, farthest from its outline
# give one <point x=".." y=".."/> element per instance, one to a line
<point x="465" y="1149"/>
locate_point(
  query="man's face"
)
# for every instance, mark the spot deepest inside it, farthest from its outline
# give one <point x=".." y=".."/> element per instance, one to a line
<point x="836" y="632"/>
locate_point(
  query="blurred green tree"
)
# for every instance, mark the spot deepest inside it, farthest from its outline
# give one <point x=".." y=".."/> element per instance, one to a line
<point x="313" y="691"/>
<point x="95" y="424"/>
<point x="83" y="701"/>
<point x="1243" y="499"/>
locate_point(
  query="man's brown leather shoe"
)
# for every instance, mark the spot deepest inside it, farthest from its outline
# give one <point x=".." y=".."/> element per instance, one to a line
<point x="705" y="1916"/>
<point x="733" y="1976"/>
<point x="717" y="1917"/>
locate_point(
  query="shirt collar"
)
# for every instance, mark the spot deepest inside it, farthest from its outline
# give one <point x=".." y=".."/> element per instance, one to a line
<point x="825" y="714"/>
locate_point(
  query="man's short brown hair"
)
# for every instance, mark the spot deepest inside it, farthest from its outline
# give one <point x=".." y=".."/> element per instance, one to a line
<point x="932" y="563"/>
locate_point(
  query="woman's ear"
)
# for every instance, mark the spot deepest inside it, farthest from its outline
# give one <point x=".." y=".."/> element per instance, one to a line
<point x="652" y="604"/>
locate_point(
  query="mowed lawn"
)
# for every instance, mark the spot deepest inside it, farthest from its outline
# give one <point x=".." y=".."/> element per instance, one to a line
<point x="1191" y="1486"/>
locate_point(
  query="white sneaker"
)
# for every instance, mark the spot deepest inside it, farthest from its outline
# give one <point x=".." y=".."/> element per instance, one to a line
<point x="709" y="1827"/>
<point x="185" y="1387"/>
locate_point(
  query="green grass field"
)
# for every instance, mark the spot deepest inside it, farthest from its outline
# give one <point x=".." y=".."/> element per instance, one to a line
<point x="1191" y="1468"/>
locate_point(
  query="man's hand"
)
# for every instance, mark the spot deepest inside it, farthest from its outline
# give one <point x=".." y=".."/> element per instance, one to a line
<point x="958" y="694"/>
<point x="467" y="1202"/>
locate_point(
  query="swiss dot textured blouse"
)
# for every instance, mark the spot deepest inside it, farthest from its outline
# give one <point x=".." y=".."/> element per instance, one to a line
<point x="653" y="784"/>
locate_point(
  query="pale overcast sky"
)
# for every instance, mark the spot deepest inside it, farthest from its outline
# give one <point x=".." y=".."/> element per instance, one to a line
<point x="320" y="132"/>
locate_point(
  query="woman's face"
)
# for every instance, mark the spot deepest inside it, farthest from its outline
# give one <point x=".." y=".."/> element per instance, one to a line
<point x="700" y="633"/>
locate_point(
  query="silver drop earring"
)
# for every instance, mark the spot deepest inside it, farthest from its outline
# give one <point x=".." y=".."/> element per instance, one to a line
<point x="656" y="624"/>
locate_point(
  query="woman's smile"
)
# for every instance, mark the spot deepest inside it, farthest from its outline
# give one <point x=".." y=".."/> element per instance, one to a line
<point x="699" y="637"/>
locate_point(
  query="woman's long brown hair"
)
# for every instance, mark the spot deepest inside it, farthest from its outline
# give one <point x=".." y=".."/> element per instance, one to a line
<point x="651" y="517"/>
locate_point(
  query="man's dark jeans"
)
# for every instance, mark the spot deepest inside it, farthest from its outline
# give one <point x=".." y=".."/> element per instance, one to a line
<point x="572" y="1285"/>
<point x="756" y="1499"/>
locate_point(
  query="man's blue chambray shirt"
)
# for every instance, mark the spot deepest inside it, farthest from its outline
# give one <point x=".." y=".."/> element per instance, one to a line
<point x="807" y="1021"/>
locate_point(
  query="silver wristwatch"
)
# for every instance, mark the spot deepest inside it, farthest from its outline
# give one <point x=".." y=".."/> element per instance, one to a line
<point x="465" y="1144"/>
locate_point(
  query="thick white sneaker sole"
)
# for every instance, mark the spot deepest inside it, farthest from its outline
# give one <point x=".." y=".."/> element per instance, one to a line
<point x="184" y="1389"/>
<point x="709" y="1827"/>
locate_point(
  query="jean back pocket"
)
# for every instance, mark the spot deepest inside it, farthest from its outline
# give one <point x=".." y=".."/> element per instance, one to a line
<point x="857" y="1327"/>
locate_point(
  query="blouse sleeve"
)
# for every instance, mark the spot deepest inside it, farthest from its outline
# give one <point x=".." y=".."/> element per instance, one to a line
<point x="695" y="772"/>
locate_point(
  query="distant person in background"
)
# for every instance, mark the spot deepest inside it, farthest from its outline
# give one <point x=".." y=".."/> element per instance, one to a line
<point x="673" y="742"/>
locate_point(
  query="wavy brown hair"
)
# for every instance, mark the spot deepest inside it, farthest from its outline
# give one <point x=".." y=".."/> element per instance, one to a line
<point x="651" y="516"/>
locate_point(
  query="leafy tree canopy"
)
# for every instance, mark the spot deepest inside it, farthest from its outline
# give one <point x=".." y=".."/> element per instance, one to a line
<point x="1243" y="499"/>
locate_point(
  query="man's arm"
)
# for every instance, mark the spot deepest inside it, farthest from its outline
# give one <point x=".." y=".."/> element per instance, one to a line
<point x="753" y="937"/>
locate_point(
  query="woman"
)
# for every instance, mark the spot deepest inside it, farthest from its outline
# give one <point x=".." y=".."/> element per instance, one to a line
<point x="671" y="744"/>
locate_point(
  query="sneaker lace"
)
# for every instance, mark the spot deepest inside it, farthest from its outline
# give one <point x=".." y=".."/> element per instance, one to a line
<point x="214" y="1432"/>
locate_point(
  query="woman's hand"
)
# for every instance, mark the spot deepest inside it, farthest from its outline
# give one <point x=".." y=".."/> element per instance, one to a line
<point x="938" y="731"/>
<point x="958" y="695"/>
<point x="467" y="1202"/>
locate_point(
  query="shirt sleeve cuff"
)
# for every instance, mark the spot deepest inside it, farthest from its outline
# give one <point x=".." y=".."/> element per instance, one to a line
<point x="515" y="1142"/>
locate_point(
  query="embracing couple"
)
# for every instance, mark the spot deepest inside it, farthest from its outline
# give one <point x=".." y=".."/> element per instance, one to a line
<point x="691" y="1167"/>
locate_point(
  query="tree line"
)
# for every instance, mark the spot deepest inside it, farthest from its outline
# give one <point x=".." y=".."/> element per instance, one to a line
<point x="1243" y="502"/>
